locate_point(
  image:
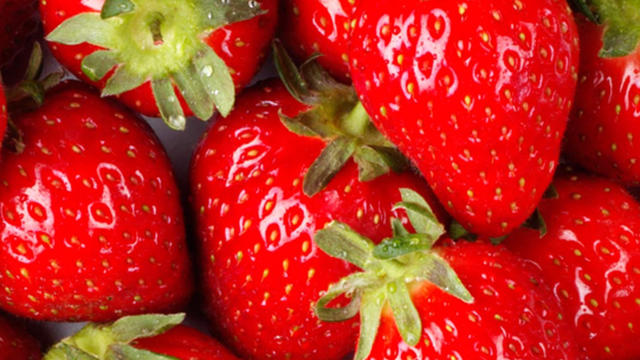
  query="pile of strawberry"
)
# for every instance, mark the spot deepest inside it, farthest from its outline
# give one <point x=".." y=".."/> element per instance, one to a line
<point x="422" y="180"/>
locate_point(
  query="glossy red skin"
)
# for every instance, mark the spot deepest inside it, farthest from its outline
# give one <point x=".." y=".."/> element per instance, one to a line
<point x="16" y="343"/>
<point x="241" y="198"/>
<point x="490" y="161"/>
<point x="319" y="26"/>
<point x="501" y="286"/>
<point x="589" y="256"/>
<point x="93" y="235"/>
<point x="599" y="137"/>
<point x="185" y="343"/>
<point x="243" y="46"/>
<point x="19" y="26"/>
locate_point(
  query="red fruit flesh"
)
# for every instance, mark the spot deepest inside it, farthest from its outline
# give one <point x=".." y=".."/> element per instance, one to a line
<point x="262" y="271"/>
<point x="604" y="123"/>
<point x="185" y="343"/>
<point x="319" y="26"/>
<point x="17" y="344"/>
<point x="91" y="223"/>
<point x="19" y="26"/>
<point x="476" y="94"/>
<point x="243" y="47"/>
<point x="591" y="257"/>
<point x="513" y="316"/>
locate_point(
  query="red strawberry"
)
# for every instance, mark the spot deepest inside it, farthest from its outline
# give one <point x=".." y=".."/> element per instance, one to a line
<point x="90" y="220"/>
<point x="603" y="132"/>
<point x="262" y="271"/>
<point x="200" y="48"/>
<point x="16" y="343"/>
<point x="19" y="26"/>
<point x="591" y="256"/>
<point x="476" y="94"/>
<point x="319" y="26"/>
<point x="140" y="337"/>
<point x="457" y="301"/>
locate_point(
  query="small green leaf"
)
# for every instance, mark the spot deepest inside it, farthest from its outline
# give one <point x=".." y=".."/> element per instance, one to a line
<point x="289" y="74"/>
<point x="84" y="28"/>
<point x="122" y="81"/>
<point x="457" y="231"/>
<point x="128" y="352"/>
<point x="621" y="20"/>
<point x="437" y="271"/>
<point x="310" y="123"/>
<point x="130" y="328"/>
<point x="404" y="312"/>
<point x="349" y="286"/>
<point x="217" y="80"/>
<point x="218" y="13"/>
<point x="340" y="241"/>
<point x="402" y="245"/>
<point x="113" y="8"/>
<point x="194" y="92"/>
<point x="35" y="62"/>
<point x="168" y="103"/>
<point x="371" y="164"/>
<point x="619" y="42"/>
<point x="536" y="222"/>
<point x="582" y="7"/>
<point x="398" y="228"/>
<point x="97" y="64"/>
<point x="370" y="312"/>
<point x="328" y="164"/>
<point x="298" y="127"/>
<point x="62" y="351"/>
<point x="420" y="214"/>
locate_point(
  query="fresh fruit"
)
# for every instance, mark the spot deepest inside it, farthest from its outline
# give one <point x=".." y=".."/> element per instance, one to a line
<point x="603" y="132"/>
<point x="319" y="27"/>
<point x="157" y="47"/>
<point x="590" y="255"/>
<point x="143" y="337"/>
<point x="477" y="95"/>
<point x="262" y="272"/>
<point x="19" y="25"/>
<point x="451" y="301"/>
<point x="91" y="225"/>
<point x="16" y="343"/>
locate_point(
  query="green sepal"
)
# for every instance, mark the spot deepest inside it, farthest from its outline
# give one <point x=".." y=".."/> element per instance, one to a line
<point x="402" y="245"/>
<point x="122" y="81"/>
<point x="398" y="228"/>
<point x="128" y="352"/>
<point x="169" y="104"/>
<point x="341" y="241"/>
<point x="457" y="231"/>
<point x="289" y="73"/>
<point x="129" y="328"/>
<point x="498" y="240"/>
<point x="113" y="8"/>
<point x="581" y="6"/>
<point x="438" y="272"/>
<point x="373" y="302"/>
<point x="216" y="78"/>
<point x="62" y="351"/>
<point x="328" y="164"/>
<point x="194" y="92"/>
<point x="536" y="222"/>
<point x="371" y="163"/>
<point x="420" y="214"/>
<point x="97" y="64"/>
<point x="347" y="286"/>
<point x="84" y="28"/>
<point x="404" y="312"/>
<point x="621" y="19"/>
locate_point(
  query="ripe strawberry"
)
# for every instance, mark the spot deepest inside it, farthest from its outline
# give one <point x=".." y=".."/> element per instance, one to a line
<point x="199" y="48"/>
<point x="19" y="26"/>
<point x="475" y="94"/>
<point x="319" y="26"/>
<point x="16" y="343"/>
<point x="262" y="271"/>
<point x="602" y="134"/>
<point x="90" y="220"/>
<point x="140" y="337"/>
<point x="451" y="301"/>
<point x="590" y="255"/>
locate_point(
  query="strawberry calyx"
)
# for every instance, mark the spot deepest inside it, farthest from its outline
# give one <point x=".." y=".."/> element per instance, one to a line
<point x="112" y="341"/>
<point x="161" y="41"/>
<point x="335" y="115"/>
<point x="621" y="20"/>
<point x="389" y="270"/>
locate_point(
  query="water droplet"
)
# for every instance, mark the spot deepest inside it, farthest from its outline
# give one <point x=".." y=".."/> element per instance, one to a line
<point x="177" y="121"/>
<point x="207" y="71"/>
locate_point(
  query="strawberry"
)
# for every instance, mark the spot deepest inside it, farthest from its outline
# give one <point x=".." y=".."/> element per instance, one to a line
<point x="261" y="270"/>
<point x="319" y="26"/>
<point x="449" y="301"/>
<point x="476" y="95"/>
<point x="3" y="111"/>
<point x="144" y="337"/>
<point x="16" y="343"/>
<point x="19" y="26"/>
<point x="590" y="255"/>
<point x="602" y="133"/>
<point x="206" y="50"/>
<point x="90" y="220"/>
